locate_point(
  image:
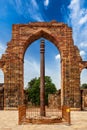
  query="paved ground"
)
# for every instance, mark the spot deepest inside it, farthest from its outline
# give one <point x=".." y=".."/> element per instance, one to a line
<point x="9" y="121"/>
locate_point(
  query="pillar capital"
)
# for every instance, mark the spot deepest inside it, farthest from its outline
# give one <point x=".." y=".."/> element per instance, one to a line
<point x="42" y="46"/>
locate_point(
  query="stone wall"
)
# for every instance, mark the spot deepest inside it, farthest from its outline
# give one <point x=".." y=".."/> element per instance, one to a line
<point x="84" y="99"/>
<point x="12" y="61"/>
<point x="54" y="100"/>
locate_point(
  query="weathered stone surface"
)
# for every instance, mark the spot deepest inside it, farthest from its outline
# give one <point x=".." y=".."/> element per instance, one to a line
<point x="54" y="100"/>
<point x="12" y="61"/>
<point x="84" y="99"/>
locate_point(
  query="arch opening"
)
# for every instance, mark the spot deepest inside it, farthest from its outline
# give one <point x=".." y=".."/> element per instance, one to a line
<point x="1" y="90"/>
<point x="83" y="78"/>
<point x="83" y="87"/>
<point x="38" y="35"/>
<point x="1" y="76"/>
<point x="52" y="62"/>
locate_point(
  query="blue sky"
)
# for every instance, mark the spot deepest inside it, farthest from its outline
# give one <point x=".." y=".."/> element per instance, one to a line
<point x="71" y="12"/>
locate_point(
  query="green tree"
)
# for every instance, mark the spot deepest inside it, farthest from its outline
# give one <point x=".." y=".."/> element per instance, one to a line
<point x="33" y="90"/>
<point x="84" y="86"/>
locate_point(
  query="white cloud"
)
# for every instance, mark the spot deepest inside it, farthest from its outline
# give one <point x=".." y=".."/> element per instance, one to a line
<point x="29" y="9"/>
<point x="83" y="76"/>
<point x="74" y="7"/>
<point x="2" y="49"/>
<point x="83" y="20"/>
<point x="18" y="4"/>
<point x="1" y="76"/>
<point x="34" y="11"/>
<point x="31" y="70"/>
<point x="34" y="3"/>
<point x="1" y="79"/>
<point x="35" y="14"/>
<point x="46" y="2"/>
<point x="83" y="44"/>
<point x="57" y="56"/>
<point x="82" y="53"/>
<point x="55" y="74"/>
<point x="78" y="21"/>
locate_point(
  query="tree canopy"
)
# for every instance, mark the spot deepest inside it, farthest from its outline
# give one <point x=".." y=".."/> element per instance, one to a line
<point x="84" y="86"/>
<point x="33" y="90"/>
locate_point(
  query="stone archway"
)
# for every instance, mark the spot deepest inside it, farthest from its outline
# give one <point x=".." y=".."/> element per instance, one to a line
<point x="12" y="61"/>
<point x="83" y="65"/>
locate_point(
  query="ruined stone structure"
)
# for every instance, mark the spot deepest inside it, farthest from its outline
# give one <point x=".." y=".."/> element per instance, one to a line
<point x="54" y="100"/>
<point x="12" y="61"/>
<point x="84" y="99"/>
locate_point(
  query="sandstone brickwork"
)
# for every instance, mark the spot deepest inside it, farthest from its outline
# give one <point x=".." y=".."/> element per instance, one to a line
<point x="54" y="100"/>
<point x="12" y="62"/>
<point x="84" y="99"/>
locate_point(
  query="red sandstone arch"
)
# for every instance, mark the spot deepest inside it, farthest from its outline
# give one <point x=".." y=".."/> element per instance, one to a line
<point x="12" y="61"/>
<point x="41" y="33"/>
<point x="83" y="65"/>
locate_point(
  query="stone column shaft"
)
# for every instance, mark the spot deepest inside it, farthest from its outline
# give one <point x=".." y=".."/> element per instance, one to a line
<point x="42" y="79"/>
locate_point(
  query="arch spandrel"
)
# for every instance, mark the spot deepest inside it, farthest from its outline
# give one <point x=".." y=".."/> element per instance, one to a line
<point x="41" y="34"/>
<point x="82" y="65"/>
<point x="24" y="34"/>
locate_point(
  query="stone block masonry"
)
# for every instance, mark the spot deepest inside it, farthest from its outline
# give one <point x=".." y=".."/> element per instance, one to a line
<point x="12" y="62"/>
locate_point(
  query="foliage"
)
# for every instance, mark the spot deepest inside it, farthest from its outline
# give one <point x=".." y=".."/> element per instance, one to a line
<point x="33" y="90"/>
<point x="84" y="86"/>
